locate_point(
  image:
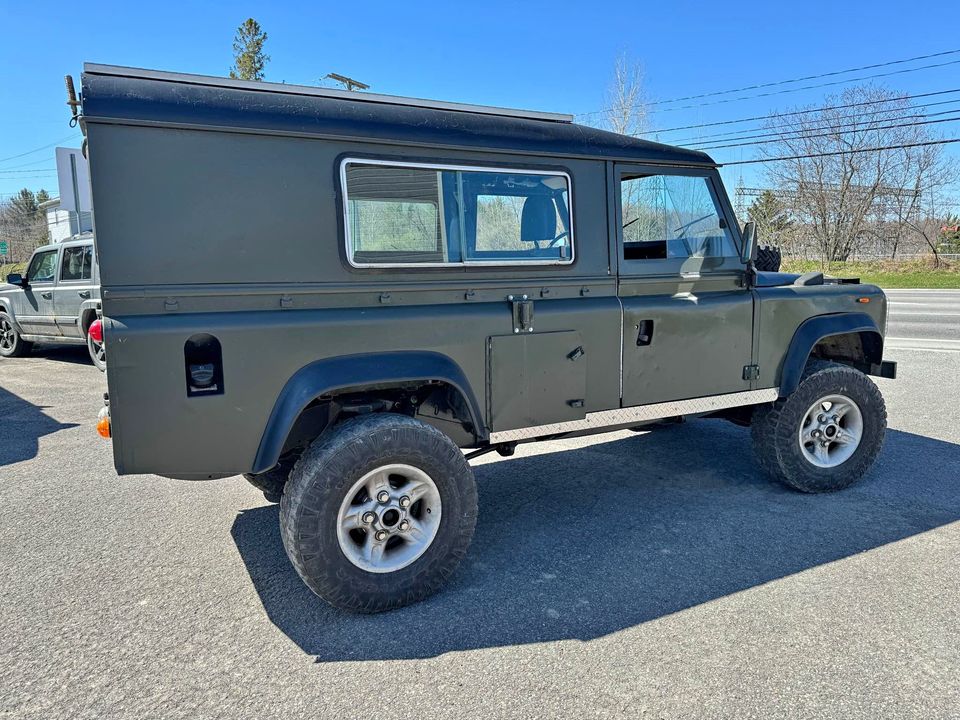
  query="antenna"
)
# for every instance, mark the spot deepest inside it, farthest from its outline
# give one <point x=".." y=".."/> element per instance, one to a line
<point x="348" y="83"/>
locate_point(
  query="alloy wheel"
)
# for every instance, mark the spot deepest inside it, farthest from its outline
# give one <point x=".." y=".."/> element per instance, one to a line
<point x="389" y="518"/>
<point x="831" y="431"/>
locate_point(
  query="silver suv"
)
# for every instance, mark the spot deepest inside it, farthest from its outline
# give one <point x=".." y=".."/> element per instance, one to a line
<point x="56" y="301"/>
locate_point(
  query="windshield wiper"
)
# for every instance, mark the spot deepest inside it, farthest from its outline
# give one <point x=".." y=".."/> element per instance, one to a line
<point x="683" y="228"/>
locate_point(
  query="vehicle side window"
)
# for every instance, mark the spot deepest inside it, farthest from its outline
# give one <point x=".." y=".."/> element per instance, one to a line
<point x="413" y="214"/>
<point x="43" y="267"/>
<point x="76" y="263"/>
<point x="516" y="217"/>
<point x="672" y="216"/>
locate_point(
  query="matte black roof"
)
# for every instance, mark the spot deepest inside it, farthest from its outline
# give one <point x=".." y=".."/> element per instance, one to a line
<point x="130" y="95"/>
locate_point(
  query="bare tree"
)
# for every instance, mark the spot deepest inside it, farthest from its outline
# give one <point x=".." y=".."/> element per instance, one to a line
<point x="626" y="111"/>
<point x="846" y="193"/>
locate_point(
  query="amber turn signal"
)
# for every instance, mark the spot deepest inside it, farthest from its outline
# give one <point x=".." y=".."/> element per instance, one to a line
<point x="103" y="424"/>
<point x="863" y="300"/>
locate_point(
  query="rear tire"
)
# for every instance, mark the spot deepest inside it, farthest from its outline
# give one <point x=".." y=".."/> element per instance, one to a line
<point x="11" y="344"/>
<point x="827" y="434"/>
<point x="342" y="515"/>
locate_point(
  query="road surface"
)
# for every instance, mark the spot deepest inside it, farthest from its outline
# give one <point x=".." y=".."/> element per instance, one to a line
<point x="646" y="575"/>
<point x="924" y="320"/>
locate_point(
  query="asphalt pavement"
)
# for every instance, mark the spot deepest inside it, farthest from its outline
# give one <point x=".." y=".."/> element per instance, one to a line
<point x="924" y="320"/>
<point x="654" y="575"/>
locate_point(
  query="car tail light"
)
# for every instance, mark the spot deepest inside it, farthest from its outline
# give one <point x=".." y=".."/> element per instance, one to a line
<point x="96" y="330"/>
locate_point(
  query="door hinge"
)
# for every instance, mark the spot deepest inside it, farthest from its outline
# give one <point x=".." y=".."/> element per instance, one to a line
<point x="522" y="313"/>
<point x="751" y="372"/>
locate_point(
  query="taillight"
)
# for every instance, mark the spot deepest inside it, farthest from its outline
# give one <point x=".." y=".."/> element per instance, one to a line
<point x="96" y="330"/>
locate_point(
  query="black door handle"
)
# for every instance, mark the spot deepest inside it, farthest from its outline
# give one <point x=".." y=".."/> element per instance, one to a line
<point x="644" y="332"/>
<point x="83" y="293"/>
<point x="46" y="295"/>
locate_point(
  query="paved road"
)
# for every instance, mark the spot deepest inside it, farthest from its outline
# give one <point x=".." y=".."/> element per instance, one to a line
<point x="924" y="320"/>
<point x="652" y="574"/>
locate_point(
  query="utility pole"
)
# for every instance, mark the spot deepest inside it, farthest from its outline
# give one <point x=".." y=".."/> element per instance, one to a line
<point x="348" y="83"/>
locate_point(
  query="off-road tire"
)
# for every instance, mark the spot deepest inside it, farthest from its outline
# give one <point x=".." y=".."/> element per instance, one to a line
<point x="20" y="346"/>
<point x="768" y="258"/>
<point x="272" y="482"/>
<point x="775" y="428"/>
<point x="324" y="475"/>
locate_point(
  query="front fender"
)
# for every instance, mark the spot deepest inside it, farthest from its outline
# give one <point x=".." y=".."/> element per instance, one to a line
<point x="354" y="371"/>
<point x="6" y="302"/>
<point x="818" y="328"/>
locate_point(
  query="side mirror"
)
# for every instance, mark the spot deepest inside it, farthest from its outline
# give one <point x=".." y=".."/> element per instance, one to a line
<point x="16" y="279"/>
<point x="749" y="250"/>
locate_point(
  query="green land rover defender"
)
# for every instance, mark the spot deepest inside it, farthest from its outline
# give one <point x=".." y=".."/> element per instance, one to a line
<point x="345" y="297"/>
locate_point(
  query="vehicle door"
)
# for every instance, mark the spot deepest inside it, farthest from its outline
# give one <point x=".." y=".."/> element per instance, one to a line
<point x="74" y="287"/>
<point x="687" y="311"/>
<point x="34" y="310"/>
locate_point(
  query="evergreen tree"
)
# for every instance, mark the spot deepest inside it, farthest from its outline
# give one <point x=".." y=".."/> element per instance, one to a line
<point x="23" y="205"/>
<point x="770" y="215"/>
<point x="248" y="56"/>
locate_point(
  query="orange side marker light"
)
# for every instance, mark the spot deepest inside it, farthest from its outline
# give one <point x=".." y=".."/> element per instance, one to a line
<point x="103" y="423"/>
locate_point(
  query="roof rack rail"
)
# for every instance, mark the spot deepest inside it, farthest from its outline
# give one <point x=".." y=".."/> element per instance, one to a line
<point x="354" y="96"/>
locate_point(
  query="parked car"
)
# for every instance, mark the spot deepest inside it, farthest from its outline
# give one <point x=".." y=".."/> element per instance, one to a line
<point x="56" y="301"/>
<point x="347" y="291"/>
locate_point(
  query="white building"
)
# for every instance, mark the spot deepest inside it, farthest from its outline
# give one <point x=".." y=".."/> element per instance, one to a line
<point x="65" y="224"/>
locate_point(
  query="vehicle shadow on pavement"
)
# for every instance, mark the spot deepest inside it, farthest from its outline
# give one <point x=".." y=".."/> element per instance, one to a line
<point x="72" y="354"/>
<point x="582" y="543"/>
<point x="22" y="424"/>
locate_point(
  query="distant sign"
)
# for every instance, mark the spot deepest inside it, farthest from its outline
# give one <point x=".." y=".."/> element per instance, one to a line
<point x="73" y="174"/>
<point x="3" y="247"/>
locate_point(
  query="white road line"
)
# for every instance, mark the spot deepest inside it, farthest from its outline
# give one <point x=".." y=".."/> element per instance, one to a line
<point x="926" y="303"/>
<point x="923" y="291"/>
<point x="922" y="343"/>
<point x="911" y="348"/>
<point x="931" y="313"/>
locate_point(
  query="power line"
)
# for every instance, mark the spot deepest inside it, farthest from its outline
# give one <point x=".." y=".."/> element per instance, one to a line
<point x="800" y="112"/>
<point x="42" y="147"/>
<point x="796" y="123"/>
<point x="845" y="152"/>
<point x="808" y="87"/>
<point x="794" y="80"/>
<point x="30" y="164"/>
<point x="777" y="137"/>
<point x="812" y="77"/>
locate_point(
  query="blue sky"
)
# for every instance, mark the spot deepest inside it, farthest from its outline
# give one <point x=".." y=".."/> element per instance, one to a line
<point x="541" y="55"/>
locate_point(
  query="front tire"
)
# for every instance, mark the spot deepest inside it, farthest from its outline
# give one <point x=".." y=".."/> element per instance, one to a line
<point x="378" y="512"/>
<point x="827" y="434"/>
<point x="11" y="344"/>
